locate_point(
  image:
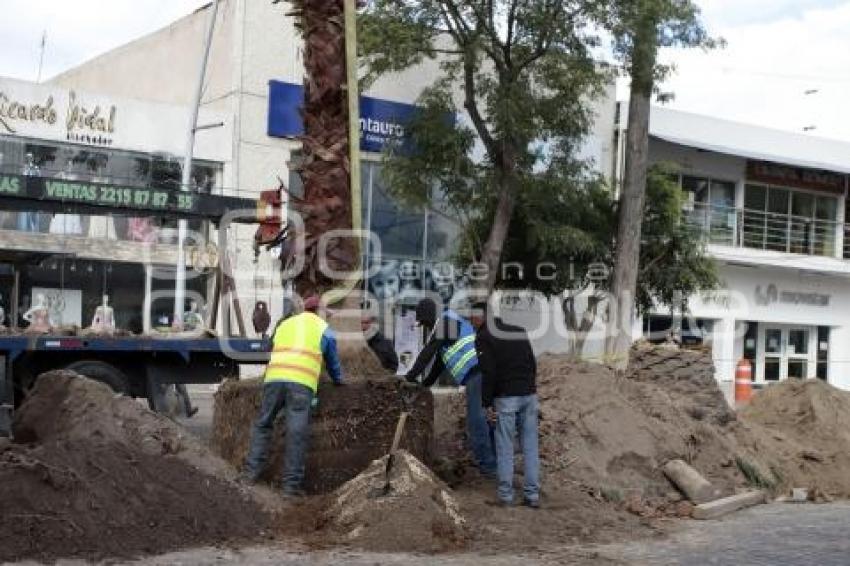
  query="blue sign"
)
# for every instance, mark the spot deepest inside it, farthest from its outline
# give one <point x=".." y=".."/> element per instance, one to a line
<point x="381" y="121"/>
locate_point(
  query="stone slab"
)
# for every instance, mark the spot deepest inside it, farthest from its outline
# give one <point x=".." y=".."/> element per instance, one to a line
<point x="720" y="507"/>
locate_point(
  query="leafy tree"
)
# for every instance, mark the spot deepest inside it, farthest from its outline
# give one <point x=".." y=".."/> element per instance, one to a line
<point x="522" y="73"/>
<point x="640" y="28"/>
<point x="571" y="228"/>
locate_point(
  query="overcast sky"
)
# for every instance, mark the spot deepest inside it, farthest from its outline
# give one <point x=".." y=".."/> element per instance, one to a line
<point x="777" y="50"/>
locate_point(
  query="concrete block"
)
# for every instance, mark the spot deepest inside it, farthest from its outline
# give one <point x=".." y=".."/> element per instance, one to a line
<point x="689" y="481"/>
<point x="720" y="507"/>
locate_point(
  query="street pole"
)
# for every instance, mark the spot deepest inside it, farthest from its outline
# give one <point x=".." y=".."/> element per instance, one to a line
<point x="180" y="283"/>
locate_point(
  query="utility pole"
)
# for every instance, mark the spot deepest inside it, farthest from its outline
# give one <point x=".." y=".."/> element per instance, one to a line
<point x="41" y="55"/>
<point x="180" y="284"/>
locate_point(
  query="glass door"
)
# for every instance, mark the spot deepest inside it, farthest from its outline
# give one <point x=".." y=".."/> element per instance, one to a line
<point x="797" y="353"/>
<point x="787" y="352"/>
<point x="772" y="354"/>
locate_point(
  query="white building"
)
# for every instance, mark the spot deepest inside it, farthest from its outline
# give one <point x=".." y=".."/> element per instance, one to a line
<point x="772" y="206"/>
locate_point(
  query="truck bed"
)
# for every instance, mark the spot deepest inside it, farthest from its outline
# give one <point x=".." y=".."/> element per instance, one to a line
<point x="14" y="345"/>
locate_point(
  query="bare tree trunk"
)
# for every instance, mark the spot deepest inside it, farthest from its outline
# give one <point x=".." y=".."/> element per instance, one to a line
<point x="491" y="254"/>
<point x="633" y="196"/>
<point x="580" y="330"/>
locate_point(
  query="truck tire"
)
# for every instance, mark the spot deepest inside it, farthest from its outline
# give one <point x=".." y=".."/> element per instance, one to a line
<point x="103" y="372"/>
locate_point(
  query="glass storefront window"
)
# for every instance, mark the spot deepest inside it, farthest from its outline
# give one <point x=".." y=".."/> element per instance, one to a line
<point x="798" y="342"/>
<point x="97" y="165"/>
<point x="772" y="341"/>
<point x="444" y="232"/>
<point x="797" y="369"/>
<point x="827" y="208"/>
<point x="401" y="231"/>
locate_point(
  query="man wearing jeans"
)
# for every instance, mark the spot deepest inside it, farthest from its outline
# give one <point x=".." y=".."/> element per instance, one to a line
<point x="509" y="393"/>
<point x="299" y="346"/>
<point x="451" y="347"/>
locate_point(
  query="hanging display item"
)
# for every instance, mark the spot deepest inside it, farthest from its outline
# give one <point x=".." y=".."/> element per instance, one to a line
<point x="38" y="316"/>
<point x="103" y="321"/>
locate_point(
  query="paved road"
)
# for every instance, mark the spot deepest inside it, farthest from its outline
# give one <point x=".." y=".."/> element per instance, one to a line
<point x="780" y="534"/>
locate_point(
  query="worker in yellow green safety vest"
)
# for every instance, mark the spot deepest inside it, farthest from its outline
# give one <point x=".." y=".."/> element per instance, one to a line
<point x="300" y="345"/>
<point x="451" y="347"/>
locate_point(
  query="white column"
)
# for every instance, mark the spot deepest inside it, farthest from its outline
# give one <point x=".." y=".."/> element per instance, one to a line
<point x="146" y="303"/>
<point x="740" y="187"/>
<point x="841" y="219"/>
<point x="839" y="360"/>
<point x="723" y="352"/>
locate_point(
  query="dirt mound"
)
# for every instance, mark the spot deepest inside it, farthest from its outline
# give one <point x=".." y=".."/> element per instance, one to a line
<point x="96" y="475"/>
<point x="687" y="378"/>
<point x="352" y="426"/>
<point x="615" y="433"/>
<point x="805" y="428"/>
<point x="418" y="515"/>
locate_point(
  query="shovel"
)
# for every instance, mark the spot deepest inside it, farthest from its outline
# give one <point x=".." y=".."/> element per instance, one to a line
<point x="408" y="393"/>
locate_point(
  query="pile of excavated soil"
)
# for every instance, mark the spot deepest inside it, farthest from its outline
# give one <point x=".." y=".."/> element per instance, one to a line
<point x="352" y="426"/>
<point x="805" y="428"/>
<point x="685" y="376"/>
<point x="615" y="433"/>
<point x="419" y="514"/>
<point x="95" y="475"/>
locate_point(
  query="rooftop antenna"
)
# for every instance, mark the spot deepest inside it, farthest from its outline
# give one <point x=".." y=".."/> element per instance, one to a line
<point x="41" y="54"/>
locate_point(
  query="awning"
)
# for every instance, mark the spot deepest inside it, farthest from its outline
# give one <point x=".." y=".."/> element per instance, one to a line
<point x="748" y="141"/>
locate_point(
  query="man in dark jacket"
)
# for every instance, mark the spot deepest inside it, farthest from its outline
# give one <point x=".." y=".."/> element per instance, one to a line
<point x="451" y="347"/>
<point x="509" y="393"/>
<point x="378" y="343"/>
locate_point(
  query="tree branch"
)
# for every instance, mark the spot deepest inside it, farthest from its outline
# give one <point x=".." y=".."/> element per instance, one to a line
<point x="511" y="23"/>
<point x="472" y="106"/>
<point x="544" y="41"/>
<point x="495" y="43"/>
<point x="655" y="260"/>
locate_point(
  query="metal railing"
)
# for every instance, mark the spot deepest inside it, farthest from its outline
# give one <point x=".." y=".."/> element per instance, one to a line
<point x="758" y="229"/>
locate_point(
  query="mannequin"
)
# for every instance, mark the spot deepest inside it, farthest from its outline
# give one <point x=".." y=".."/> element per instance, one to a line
<point x="66" y="224"/>
<point x="28" y="221"/>
<point x="104" y="318"/>
<point x="192" y="319"/>
<point x="38" y="316"/>
<point x="141" y="230"/>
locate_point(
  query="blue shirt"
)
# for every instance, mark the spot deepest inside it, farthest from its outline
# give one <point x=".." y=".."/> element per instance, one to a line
<point x="331" y="355"/>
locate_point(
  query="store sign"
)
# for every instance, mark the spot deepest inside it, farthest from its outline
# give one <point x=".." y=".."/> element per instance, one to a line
<point x="784" y="175"/>
<point x="46" y="113"/>
<point x="772" y="294"/>
<point x="381" y="121"/>
<point x="83" y="122"/>
<point x="96" y="194"/>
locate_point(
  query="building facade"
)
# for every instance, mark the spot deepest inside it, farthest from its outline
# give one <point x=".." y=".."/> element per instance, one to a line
<point x="78" y="144"/>
<point x="771" y="206"/>
<point x="253" y="78"/>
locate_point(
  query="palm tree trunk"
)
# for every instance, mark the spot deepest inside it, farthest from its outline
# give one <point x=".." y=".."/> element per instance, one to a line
<point x="324" y="171"/>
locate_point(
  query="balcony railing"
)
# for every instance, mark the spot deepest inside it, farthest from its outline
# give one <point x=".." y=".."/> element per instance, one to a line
<point x="741" y="227"/>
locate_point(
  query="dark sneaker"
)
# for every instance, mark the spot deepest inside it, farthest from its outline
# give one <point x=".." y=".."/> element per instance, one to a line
<point x="533" y="503"/>
<point x="192" y="412"/>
